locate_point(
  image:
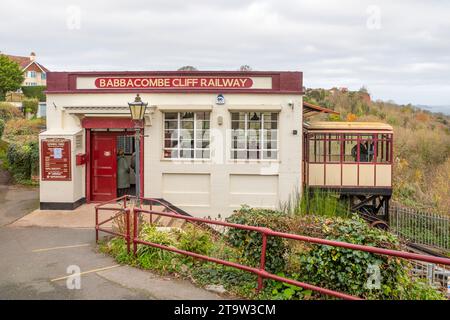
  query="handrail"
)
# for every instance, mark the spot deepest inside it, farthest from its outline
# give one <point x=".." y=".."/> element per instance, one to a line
<point x="265" y="232"/>
<point x="111" y="201"/>
<point x="125" y="198"/>
<point x="122" y="210"/>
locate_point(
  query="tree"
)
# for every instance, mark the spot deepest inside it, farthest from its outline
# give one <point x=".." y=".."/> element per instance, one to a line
<point x="30" y="105"/>
<point x="187" y="68"/>
<point x="245" y="67"/>
<point x="363" y="89"/>
<point x="11" y="76"/>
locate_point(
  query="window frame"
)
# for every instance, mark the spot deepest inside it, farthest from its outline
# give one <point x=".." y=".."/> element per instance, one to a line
<point x="262" y="150"/>
<point x="178" y="147"/>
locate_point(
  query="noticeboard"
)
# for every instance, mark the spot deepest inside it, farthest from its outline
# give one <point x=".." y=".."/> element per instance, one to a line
<point x="55" y="157"/>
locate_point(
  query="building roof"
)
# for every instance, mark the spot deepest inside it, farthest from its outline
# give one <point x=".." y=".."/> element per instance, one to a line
<point x="310" y="109"/>
<point x="24" y="62"/>
<point x="348" y="126"/>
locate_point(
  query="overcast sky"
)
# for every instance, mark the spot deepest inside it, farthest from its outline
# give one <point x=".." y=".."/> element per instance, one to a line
<point x="399" y="50"/>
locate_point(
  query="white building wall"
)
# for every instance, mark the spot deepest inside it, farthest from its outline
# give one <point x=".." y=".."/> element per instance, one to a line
<point x="200" y="187"/>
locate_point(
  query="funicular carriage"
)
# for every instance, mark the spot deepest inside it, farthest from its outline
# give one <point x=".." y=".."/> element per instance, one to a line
<point x="353" y="159"/>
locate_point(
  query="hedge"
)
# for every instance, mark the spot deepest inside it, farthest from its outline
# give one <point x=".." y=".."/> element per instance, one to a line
<point x="23" y="160"/>
<point x="35" y="92"/>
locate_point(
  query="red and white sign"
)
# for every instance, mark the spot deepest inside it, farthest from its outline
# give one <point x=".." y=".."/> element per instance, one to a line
<point x="173" y="82"/>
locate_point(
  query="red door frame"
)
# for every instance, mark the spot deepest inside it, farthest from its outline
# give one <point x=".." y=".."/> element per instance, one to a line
<point x="110" y="123"/>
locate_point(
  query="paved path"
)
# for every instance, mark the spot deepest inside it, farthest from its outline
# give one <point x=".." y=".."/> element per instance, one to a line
<point x="37" y="248"/>
<point x="32" y="257"/>
<point x="81" y="217"/>
<point x="15" y="201"/>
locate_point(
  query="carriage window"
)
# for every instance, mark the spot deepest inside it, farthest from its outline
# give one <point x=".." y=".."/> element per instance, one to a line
<point x="366" y="148"/>
<point x="350" y="146"/>
<point x="186" y="135"/>
<point x="333" y="150"/>
<point x="384" y="148"/>
<point x="254" y="135"/>
<point x="316" y="148"/>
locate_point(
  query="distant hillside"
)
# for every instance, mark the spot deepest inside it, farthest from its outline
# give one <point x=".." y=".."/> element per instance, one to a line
<point x="421" y="143"/>
<point x="436" y="109"/>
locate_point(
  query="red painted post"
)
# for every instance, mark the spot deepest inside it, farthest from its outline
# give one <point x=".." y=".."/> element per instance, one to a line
<point x="262" y="265"/>
<point x="96" y="225"/>
<point x="127" y="217"/>
<point x="151" y="209"/>
<point x="135" y="231"/>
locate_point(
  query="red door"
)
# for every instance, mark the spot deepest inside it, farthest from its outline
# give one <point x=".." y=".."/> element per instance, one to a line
<point x="103" y="167"/>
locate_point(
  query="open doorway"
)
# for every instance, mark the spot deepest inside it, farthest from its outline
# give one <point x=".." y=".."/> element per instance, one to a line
<point x="126" y="169"/>
<point x="112" y="164"/>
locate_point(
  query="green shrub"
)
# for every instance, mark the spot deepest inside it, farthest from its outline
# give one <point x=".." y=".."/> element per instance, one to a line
<point x="9" y="111"/>
<point x="2" y="127"/>
<point x="348" y="270"/>
<point x="16" y="128"/>
<point x="250" y="242"/>
<point x="334" y="117"/>
<point x="30" y="105"/>
<point x="153" y="258"/>
<point x="34" y="92"/>
<point x="23" y="160"/>
<point x="117" y="247"/>
<point x="285" y="291"/>
<point x="195" y="240"/>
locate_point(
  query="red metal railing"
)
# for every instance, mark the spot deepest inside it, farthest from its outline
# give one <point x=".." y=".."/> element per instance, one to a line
<point x="265" y="232"/>
<point x="123" y="200"/>
<point x="124" y="210"/>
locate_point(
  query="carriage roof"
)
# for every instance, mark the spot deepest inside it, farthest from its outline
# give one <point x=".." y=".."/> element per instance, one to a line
<point x="348" y="126"/>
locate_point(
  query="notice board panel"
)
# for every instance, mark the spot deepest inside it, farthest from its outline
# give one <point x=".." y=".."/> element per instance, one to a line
<point x="55" y="157"/>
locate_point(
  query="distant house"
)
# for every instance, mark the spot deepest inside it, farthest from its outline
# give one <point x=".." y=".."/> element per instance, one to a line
<point x="34" y="72"/>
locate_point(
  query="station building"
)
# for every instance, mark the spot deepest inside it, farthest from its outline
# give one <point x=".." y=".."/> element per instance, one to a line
<point x="210" y="141"/>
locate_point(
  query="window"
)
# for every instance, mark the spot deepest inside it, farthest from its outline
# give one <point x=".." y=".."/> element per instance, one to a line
<point x="384" y="148"/>
<point x="31" y="74"/>
<point x="187" y="135"/>
<point x="366" y="148"/>
<point x="43" y="76"/>
<point x="316" y="148"/>
<point x="254" y="135"/>
<point x="353" y="148"/>
<point x="350" y="146"/>
<point x="333" y="148"/>
<point x="126" y="143"/>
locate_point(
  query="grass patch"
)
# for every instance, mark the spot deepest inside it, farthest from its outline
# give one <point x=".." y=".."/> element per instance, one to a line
<point x="316" y="202"/>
